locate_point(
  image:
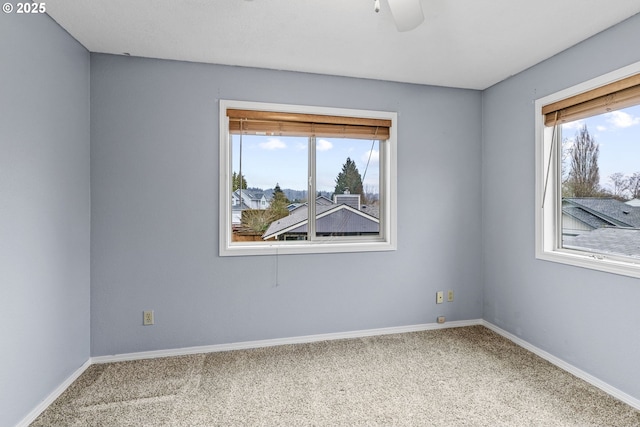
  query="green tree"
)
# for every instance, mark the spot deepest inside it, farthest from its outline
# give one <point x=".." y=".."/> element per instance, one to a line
<point x="235" y="182"/>
<point x="583" y="179"/>
<point x="258" y="220"/>
<point x="278" y="206"/>
<point x="349" y="179"/>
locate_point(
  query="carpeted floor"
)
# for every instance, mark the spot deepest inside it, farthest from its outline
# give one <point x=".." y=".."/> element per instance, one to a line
<point x="450" y="377"/>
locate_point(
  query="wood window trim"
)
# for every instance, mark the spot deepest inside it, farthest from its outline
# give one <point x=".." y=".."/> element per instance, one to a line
<point x="255" y="122"/>
<point x="613" y="96"/>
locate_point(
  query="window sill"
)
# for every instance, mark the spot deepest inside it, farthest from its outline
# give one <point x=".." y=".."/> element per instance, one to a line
<point x="593" y="262"/>
<point x="238" y="249"/>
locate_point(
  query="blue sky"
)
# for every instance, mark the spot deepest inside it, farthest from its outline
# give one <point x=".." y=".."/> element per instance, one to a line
<point x="618" y="135"/>
<point x="267" y="160"/>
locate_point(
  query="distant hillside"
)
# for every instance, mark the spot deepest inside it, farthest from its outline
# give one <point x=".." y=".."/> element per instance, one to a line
<point x="292" y="195"/>
<point x="298" y="195"/>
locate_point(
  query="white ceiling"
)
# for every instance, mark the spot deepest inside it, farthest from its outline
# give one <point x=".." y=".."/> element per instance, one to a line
<point x="462" y="43"/>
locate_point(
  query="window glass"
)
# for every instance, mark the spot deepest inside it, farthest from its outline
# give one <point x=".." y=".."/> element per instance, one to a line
<point x="274" y="181"/>
<point x="348" y="187"/>
<point x="601" y="183"/>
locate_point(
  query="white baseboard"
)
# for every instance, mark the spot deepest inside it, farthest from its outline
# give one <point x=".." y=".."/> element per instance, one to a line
<point x="607" y="388"/>
<point x="31" y="416"/>
<point x="281" y="341"/>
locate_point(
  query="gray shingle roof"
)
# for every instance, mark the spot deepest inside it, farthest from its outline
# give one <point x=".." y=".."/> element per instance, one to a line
<point x="614" y="241"/>
<point x="586" y="217"/>
<point x="607" y="209"/>
<point x="330" y="219"/>
<point x="322" y="200"/>
<point x="373" y="210"/>
<point x="296" y="216"/>
<point x="342" y="221"/>
<point x="237" y="206"/>
<point x="249" y="194"/>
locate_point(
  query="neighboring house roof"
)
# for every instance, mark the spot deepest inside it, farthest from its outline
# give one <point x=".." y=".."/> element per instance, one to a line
<point x="344" y="218"/>
<point x="320" y="201"/>
<point x="329" y="219"/>
<point x="240" y="206"/>
<point x="373" y="210"/>
<point x="325" y="201"/>
<point x="582" y="215"/>
<point x="295" y="217"/>
<point x="292" y="206"/>
<point x="613" y="240"/>
<point x="250" y="195"/>
<point x="611" y="211"/>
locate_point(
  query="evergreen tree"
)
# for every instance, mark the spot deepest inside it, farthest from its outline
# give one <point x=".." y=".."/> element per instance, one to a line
<point x="235" y="182"/>
<point x="258" y="220"/>
<point x="349" y="179"/>
<point x="279" y="202"/>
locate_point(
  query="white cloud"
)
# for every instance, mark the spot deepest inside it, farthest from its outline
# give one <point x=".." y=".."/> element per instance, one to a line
<point x="601" y="128"/>
<point x="323" y="145"/>
<point x="573" y="125"/>
<point x="621" y="119"/>
<point x="375" y="155"/>
<point x="273" y="144"/>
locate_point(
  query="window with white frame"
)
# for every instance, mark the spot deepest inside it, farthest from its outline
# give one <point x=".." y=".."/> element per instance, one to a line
<point x="588" y="174"/>
<point x="302" y="179"/>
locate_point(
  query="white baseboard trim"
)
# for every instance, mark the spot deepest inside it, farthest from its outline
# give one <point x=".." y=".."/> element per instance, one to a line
<point x="282" y="341"/>
<point x="607" y="388"/>
<point x="31" y="416"/>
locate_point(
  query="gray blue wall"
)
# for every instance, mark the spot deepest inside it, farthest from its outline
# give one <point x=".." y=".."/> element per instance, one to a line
<point x="44" y="211"/>
<point x="154" y="186"/>
<point x="588" y="318"/>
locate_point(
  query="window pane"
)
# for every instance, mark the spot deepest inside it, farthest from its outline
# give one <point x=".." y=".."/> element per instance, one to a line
<point x="601" y="184"/>
<point x="274" y="171"/>
<point x="348" y="187"/>
<point x="288" y="171"/>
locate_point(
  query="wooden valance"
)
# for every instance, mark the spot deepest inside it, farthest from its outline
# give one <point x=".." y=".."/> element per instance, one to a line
<point x="254" y="122"/>
<point x="613" y="96"/>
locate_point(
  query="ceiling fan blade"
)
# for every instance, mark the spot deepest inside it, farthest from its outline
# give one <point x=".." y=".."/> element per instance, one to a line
<point x="407" y="14"/>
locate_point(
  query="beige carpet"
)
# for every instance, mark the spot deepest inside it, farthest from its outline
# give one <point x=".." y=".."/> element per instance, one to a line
<point x="451" y="377"/>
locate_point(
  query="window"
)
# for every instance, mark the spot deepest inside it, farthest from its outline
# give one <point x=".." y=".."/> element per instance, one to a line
<point x="300" y="179"/>
<point x="588" y="174"/>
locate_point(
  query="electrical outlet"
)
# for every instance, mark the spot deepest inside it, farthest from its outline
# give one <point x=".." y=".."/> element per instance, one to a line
<point x="450" y="296"/>
<point x="439" y="297"/>
<point x="441" y="319"/>
<point x="147" y="317"/>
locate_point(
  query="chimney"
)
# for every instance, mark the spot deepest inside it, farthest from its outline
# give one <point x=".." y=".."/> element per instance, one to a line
<point x="352" y="200"/>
